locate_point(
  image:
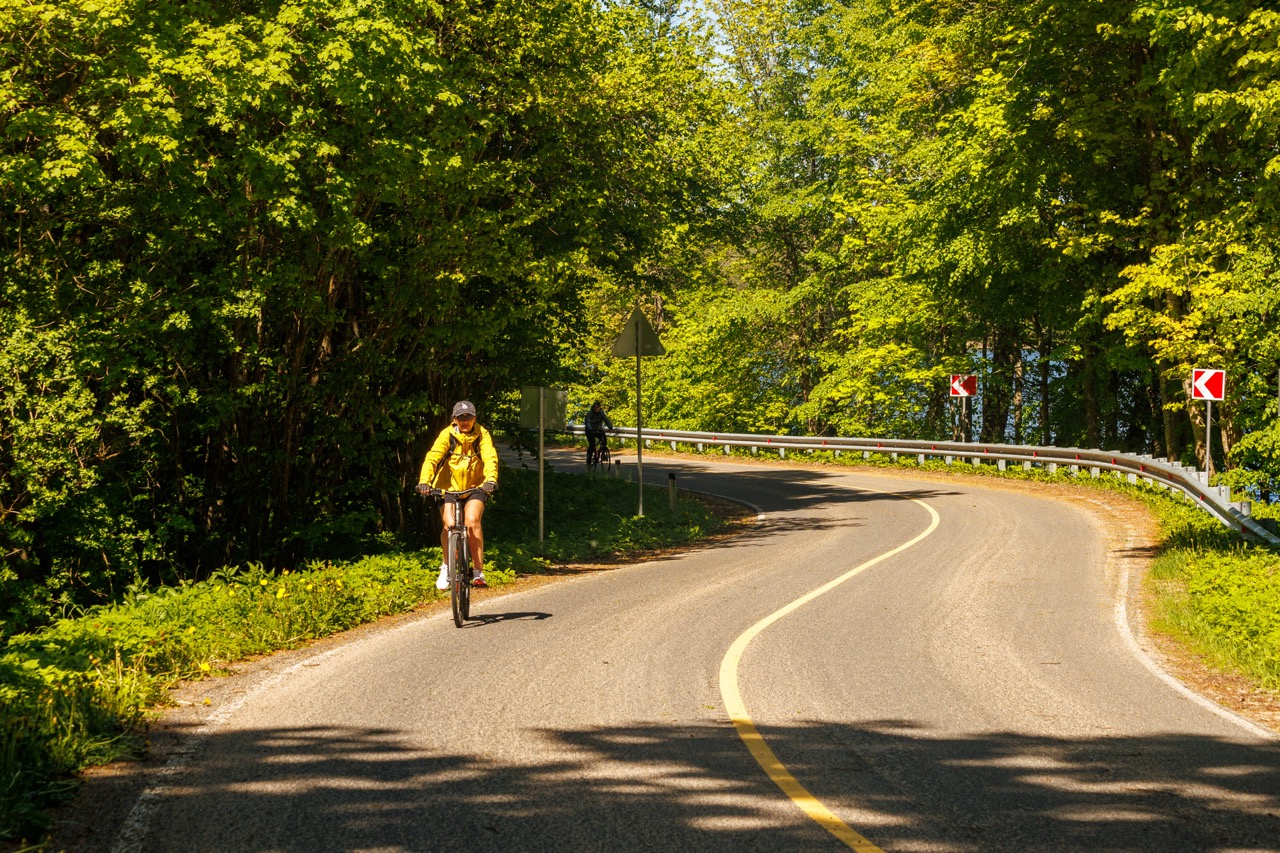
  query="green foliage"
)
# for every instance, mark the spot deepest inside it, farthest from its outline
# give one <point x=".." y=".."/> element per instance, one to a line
<point x="1211" y="589"/>
<point x="1235" y="600"/>
<point x="249" y="253"/>
<point x="1222" y="597"/>
<point x="75" y="692"/>
<point x="1053" y="196"/>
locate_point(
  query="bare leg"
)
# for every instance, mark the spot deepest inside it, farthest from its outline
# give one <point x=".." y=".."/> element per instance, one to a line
<point x="475" y="535"/>
<point x="446" y="517"/>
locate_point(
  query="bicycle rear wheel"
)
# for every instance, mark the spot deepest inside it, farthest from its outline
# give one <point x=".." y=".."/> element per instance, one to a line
<point x="459" y="578"/>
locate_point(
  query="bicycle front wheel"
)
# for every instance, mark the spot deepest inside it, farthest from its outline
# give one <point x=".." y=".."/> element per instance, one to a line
<point x="467" y="576"/>
<point x="459" y="580"/>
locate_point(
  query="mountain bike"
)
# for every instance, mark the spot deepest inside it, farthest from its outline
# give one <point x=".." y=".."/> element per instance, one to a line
<point x="599" y="455"/>
<point x="457" y="554"/>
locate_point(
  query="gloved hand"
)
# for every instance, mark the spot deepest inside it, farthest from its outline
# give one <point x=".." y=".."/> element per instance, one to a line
<point x="489" y="487"/>
<point x="424" y="488"/>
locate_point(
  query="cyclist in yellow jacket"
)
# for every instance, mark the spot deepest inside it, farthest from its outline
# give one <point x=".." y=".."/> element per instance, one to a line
<point x="462" y="457"/>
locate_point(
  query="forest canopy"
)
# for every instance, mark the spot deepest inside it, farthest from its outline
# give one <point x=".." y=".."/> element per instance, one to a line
<point x="251" y="252"/>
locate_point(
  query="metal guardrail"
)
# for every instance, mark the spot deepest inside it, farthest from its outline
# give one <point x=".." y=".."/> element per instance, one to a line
<point x="1180" y="479"/>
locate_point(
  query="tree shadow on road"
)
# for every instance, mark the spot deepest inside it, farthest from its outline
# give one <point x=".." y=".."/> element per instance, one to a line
<point x="694" y="787"/>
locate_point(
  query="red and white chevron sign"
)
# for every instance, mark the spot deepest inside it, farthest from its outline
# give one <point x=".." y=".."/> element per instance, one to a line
<point x="1208" y="384"/>
<point x="963" y="386"/>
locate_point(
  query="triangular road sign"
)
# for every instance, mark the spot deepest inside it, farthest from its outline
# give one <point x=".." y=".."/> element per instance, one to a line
<point x="638" y="329"/>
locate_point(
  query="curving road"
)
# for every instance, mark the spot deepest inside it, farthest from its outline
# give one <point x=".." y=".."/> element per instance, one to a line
<point x="974" y="691"/>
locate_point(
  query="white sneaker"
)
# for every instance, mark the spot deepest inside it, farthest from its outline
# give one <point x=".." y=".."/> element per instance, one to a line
<point x="442" y="582"/>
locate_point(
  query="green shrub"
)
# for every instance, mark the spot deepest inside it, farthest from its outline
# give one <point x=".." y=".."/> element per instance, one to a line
<point x="74" y="693"/>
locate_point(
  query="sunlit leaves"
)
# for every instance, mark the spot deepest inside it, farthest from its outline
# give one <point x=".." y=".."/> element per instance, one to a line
<point x="274" y="241"/>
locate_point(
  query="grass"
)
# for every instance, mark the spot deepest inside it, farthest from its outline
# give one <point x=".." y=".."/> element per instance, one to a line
<point x="1214" y="591"/>
<point x="77" y="694"/>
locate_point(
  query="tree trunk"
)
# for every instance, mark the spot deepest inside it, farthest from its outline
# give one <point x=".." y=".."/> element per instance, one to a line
<point x="1172" y="447"/>
<point x="1089" y="391"/>
<point x="1018" y="382"/>
<point x="1196" y="416"/>
<point x="1044" y="342"/>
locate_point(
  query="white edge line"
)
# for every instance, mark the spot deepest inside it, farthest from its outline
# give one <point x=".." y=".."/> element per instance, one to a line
<point x="1121" y="613"/>
<point x="133" y="832"/>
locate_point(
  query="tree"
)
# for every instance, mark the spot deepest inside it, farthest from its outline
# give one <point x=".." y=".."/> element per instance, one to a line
<point x="251" y="252"/>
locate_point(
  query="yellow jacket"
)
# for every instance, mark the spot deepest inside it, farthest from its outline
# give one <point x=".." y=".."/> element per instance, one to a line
<point x="474" y="459"/>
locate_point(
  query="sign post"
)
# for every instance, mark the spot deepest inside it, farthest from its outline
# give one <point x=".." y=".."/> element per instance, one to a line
<point x="964" y="387"/>
<point x="542" y="408"/>
<point x="1208" y="384"/>
<point x="639" y="339"/>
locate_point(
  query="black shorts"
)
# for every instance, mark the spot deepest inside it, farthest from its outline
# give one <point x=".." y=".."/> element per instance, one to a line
<point x="477" y="495"/>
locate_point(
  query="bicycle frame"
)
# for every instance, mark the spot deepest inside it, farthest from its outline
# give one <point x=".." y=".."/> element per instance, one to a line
<point x="599" y="455"/>
<point x="457" y="555"/>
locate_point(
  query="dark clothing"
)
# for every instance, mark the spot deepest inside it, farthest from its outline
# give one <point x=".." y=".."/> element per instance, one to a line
<point x="594" y="440"/>
<point x="596" y="421"/>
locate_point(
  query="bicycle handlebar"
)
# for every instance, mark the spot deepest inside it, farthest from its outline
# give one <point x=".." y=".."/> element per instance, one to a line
<point x="445" y="494"/>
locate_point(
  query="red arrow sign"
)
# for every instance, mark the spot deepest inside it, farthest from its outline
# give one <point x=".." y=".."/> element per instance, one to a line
<point x="963" y="386"/>
<point x="1208" y="384"/>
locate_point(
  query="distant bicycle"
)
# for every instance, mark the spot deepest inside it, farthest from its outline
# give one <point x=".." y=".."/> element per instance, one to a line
<point x="457" y="556"/>
<point x="598" y="452"/>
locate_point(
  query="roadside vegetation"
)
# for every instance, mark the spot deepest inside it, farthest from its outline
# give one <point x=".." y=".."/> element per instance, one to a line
<point x="250" y="254"/>
<point x="78" y="693"/>
<point x="1216" y="592"/>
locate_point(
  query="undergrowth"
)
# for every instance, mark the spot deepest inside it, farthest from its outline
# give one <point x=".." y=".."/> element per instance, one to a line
<point x="74" y="695"/>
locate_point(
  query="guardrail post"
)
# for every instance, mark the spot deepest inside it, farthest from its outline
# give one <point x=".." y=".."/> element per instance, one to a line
<point x="1183" y="480"/>
<point x="671" y="489"/>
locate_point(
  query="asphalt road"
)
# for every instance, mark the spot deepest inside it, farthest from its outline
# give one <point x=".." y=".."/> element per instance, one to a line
<point x="972" y="692"/>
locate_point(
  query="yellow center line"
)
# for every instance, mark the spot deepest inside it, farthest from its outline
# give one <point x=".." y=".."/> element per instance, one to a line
<point x="746" y="728"/>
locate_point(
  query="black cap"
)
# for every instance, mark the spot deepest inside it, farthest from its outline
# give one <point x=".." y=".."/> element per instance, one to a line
<point x="464" y="407"/>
